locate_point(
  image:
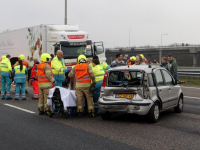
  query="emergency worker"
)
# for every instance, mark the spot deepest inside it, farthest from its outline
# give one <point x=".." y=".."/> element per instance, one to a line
<point x="45" y="80"/>
<point x="34" y="80"/>
<point x="143" y="58"/>
<point x="5" y="78"/>
<point x="84" y="77"/>
<point x="89" y="61"/>
<point x="2" y="58"/>
<point x="59" y="69"/>
<point x="27" y="65"/>
<point x="99" y="75"/>
<point x="132" y="59"/>
<point x="20" y="72"/>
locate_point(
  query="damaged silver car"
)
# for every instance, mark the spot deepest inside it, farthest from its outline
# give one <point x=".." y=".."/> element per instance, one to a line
<point x="139" y="89"/>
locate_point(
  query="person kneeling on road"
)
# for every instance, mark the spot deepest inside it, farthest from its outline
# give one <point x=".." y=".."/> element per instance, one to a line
<point x="20" y="73"/>
<point x="45" y="80"/>
<point x="84" y="76"/>
<point x="99" y="75"/>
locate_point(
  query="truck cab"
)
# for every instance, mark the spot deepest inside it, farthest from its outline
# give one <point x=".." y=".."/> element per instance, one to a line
<point x="73" y="43"/>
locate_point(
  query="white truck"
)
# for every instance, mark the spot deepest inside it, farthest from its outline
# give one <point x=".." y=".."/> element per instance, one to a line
<point x="33" y="41"/>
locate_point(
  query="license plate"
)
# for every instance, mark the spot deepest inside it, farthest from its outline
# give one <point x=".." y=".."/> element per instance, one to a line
<point x="124" y="96"/>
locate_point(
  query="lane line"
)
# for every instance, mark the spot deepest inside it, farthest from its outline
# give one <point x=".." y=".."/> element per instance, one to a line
<point x="192" y="97"/>
<point x="20" y="108"/>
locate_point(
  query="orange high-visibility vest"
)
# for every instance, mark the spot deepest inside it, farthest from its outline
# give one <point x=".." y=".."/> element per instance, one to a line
<point x="42" y="78"/>
<point x="82" y="75"/>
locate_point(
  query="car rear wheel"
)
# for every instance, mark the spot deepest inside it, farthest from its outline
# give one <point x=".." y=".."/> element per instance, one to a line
<point x="154" y="113"/>
<point x="179" y="107"/>
<point x="106" y="116"/>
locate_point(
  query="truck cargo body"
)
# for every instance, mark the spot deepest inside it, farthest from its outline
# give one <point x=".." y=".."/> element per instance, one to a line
<point x="33" y="41"/>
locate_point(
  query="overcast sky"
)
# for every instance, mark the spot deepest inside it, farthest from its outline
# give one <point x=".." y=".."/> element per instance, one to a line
<point x="109" y="20"/>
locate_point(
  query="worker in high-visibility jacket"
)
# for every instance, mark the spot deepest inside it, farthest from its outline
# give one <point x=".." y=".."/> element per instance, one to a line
<point x="45" y="80"/>
<point x="34" y="80"/>
<point x="20" y="73"/>
<point x="5" y="78"/>
<point x="59" y="69"/>
<point x="27" y="65"/>
<point x="143" y="58"/>
<point x="104" y="65"/>
<point x="99" y="75"/>
<point x="2" y="58"/>
<point x="133" y="59"/>
<point x="84" y="76"/>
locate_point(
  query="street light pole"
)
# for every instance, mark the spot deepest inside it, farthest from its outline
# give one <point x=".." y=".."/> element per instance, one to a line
<point x="160" y="54"/>
<point x="129" y="35"/>
<point x="65" y="12"/>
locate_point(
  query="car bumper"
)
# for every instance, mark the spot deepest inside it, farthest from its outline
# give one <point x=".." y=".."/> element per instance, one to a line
<point x="127" y="106"/>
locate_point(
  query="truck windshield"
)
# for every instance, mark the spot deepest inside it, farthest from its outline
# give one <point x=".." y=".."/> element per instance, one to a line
<point x="75" y="51"/>
<point x="121" y="78"/>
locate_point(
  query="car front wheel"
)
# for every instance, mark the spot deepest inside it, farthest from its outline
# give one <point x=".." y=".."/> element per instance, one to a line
<point x="179" y="107"/>
<point x="154" y="113"/>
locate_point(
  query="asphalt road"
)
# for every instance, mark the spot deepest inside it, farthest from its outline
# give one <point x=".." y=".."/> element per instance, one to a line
<point x="23" y="130"/>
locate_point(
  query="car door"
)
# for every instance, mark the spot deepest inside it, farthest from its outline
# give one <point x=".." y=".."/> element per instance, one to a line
<point x="163" y="90"/>
<point x="172" y="89"/>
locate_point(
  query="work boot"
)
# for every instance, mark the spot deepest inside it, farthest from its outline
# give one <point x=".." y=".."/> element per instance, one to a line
<point x="91" y="115"/>
<point x="41" y="112"/>
<point x="47" y="113"/>
<point x="3" y="98"/>
<point x="80" y="114"/>
<point x="10" y="98"/>
<point x="23" y="98"/>
<point x="33" y="98"/>
<point x="26" y="92"/>
<point x="16" y="99"/>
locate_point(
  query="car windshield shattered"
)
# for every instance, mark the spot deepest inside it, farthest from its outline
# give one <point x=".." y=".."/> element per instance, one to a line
<point x="125" y="78"/>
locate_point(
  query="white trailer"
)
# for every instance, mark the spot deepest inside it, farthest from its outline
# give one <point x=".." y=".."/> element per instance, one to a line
<point x="33" y="41"/>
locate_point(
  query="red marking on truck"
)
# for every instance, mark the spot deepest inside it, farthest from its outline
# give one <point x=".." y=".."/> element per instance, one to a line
<point x="76" y="36"/>
<point x="70" y="64"/>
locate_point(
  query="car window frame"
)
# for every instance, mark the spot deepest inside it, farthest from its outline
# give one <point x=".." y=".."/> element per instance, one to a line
<point x="170" y="76"/>
<point x="156" y="78"/>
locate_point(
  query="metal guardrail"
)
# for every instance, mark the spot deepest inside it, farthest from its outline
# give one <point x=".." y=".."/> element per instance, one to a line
<point x="189" y="73"/>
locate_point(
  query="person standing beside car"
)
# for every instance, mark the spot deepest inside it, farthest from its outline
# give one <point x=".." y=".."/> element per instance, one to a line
<point x="173" y="67"/>
<point x="164" y="63"/>
<point x="118" y="61"/>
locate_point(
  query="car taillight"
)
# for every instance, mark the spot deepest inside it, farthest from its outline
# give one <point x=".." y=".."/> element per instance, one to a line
<point x="104" y="84"/>
<point x="104" y="79"/>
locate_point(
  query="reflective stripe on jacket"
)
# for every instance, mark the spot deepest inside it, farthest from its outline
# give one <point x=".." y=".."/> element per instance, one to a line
<point x="6" y="67"/>
<point x="98" y="73"/>
<point x="58" y="68"/>
<point x="42" y="75"/>
<point x="82" y="75"/>
<point x="34" y="71"/>
<point x="20" y="76"/>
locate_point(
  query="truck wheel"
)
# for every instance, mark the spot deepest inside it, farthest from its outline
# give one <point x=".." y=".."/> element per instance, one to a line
<point x="179" y="107"/>
<point x="106" y="116"/>
<point x="154" y="113"/>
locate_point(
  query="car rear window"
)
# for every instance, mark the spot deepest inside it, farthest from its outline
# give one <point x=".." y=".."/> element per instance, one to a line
<point x="121" y="78"/>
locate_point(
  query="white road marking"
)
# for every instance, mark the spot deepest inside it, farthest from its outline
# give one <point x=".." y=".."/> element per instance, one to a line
<point x="189" y="87"/>
<point x="192" y="97"/>
<point x="20" y="108"/>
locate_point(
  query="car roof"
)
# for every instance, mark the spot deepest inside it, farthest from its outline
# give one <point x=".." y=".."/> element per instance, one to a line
<point x="146" y="68"/>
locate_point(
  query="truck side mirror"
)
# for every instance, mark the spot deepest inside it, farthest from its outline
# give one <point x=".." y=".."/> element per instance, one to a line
<point x="95" y="50"/>
<point x="56" y="47"/>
